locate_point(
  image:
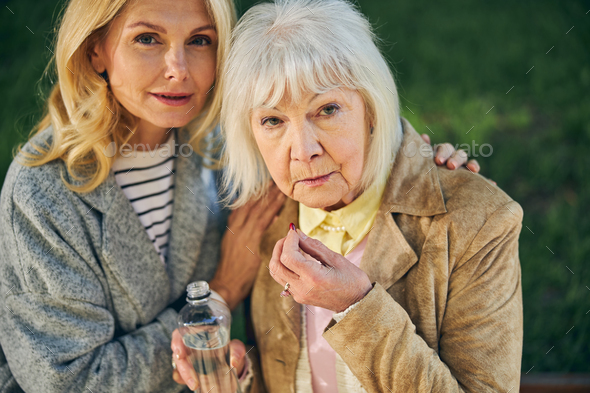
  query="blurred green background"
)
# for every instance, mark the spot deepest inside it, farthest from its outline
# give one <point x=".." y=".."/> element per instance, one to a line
<point x="514" y="75"/>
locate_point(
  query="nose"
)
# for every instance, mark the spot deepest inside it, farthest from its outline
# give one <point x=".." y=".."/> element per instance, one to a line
<point x="305" y="144"/>
<point x="176" y="65"/>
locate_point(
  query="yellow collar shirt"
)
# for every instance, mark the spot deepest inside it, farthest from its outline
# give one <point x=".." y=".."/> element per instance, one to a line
<point x="343" y="229"/>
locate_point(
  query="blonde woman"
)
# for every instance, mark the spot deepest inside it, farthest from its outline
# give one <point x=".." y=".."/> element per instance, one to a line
<point x="109" y="212"/>
<point x="401" y="276"/>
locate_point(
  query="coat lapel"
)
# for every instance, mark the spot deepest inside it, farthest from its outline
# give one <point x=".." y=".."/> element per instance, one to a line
<point x="190" y="220"/>
<point x="387" y="256"/>
<point x="133" y="263"/>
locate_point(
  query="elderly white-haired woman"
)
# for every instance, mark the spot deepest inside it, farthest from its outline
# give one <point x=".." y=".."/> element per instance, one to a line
<point x="404" y="276"/>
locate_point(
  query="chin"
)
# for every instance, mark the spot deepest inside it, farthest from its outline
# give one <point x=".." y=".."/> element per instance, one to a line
<point x="167" y="117"/>
<point x="319" y="199"/>
<point x="171" y="121"/>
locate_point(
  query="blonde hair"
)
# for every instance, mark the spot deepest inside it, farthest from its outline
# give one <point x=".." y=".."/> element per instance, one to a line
<point x="292" y="47"/>
<point x="85" y="115"/>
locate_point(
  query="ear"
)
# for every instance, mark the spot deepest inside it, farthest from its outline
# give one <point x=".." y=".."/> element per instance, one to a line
<point x="96" y="58"/>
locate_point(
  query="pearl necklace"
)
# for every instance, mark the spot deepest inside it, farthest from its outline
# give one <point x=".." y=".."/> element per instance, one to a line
<point x="333" y="229"/>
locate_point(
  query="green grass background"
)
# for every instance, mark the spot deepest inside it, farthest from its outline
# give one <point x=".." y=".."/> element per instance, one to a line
<point x="453" y="61"/>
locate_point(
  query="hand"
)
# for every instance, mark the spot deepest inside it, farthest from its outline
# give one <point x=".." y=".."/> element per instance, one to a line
<point x="185" y="374"/>
<point x="446" y="153"/>
<point x="317" y="276"/>
<point x="239" y="247"/>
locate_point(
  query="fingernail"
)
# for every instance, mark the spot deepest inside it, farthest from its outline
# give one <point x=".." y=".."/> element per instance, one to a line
<point x="301" y="234"/>
<point x="176" y="354"/>
<point x="452" y="164"/>
<point x="292" y="226"/>
<point x="192" y="385"/>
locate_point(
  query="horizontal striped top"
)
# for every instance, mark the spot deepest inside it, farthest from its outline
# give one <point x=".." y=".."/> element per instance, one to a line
<point x="147" y="179"/>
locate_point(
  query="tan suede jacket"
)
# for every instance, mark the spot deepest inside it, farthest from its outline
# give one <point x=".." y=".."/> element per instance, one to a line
<point x="445" y="313"/>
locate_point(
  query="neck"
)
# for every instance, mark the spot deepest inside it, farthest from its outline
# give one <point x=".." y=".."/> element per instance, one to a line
<point x="346" y="200"/>
<point x="149" y="136"/>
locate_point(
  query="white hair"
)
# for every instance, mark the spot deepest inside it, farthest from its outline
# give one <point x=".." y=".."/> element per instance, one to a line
<point x="289" y="48"/>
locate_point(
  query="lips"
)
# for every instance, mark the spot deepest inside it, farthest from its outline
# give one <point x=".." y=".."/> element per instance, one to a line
<point x="316" y="181"/>
<point x="172" y="99"/>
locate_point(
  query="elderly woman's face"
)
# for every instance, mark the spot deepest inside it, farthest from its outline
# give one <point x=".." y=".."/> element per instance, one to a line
<point x="160" y="57"/>
<point x="315" y="148"/>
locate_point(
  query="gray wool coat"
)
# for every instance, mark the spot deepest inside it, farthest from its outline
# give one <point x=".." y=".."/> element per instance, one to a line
<point x="84" y="296"/>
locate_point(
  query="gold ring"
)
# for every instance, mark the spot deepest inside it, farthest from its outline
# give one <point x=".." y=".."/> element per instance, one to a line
<point x="286" y="292"/>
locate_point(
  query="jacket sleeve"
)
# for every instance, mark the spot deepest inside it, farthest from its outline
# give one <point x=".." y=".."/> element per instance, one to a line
<point x="480" y="341"/>
<point x="56" y="330"/>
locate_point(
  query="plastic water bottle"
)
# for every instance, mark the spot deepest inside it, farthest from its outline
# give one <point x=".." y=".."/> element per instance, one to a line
<point x="204" y="324"/>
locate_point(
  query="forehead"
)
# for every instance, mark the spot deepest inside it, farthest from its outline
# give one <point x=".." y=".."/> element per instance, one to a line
<point x="169" y="13"/>
<point x="276" y="92"/>
<point x="343" y="95"/>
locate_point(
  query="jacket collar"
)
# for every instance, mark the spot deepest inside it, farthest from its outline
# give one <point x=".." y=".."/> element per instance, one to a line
<point x="413" y="188"/>
<point x="151" y="286"/>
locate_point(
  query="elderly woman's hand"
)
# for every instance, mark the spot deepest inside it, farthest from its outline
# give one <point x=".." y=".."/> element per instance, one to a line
<point x="316" y="275"/>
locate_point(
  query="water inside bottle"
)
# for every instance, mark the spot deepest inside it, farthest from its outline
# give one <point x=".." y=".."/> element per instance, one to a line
<point x="209" y="353"/>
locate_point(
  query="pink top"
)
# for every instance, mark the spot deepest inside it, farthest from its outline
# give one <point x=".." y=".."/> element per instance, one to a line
<point x="322" y="357"/>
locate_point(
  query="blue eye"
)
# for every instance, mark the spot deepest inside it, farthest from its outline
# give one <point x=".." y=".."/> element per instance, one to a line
<point x="329" y="110"/>
<point x="201" y="41"/>
<point x="272" y="121"/>
<point x="145" y="39"/>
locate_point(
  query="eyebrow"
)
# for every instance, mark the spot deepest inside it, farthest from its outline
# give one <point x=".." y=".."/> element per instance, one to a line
<point x="162" y="30"/>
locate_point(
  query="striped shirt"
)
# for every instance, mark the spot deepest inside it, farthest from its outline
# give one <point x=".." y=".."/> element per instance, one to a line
<point x="147" y="180"/>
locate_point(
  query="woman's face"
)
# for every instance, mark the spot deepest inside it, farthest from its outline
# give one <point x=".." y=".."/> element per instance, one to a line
<point x="160" y="57"/>
<point x="315" y="149"/>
